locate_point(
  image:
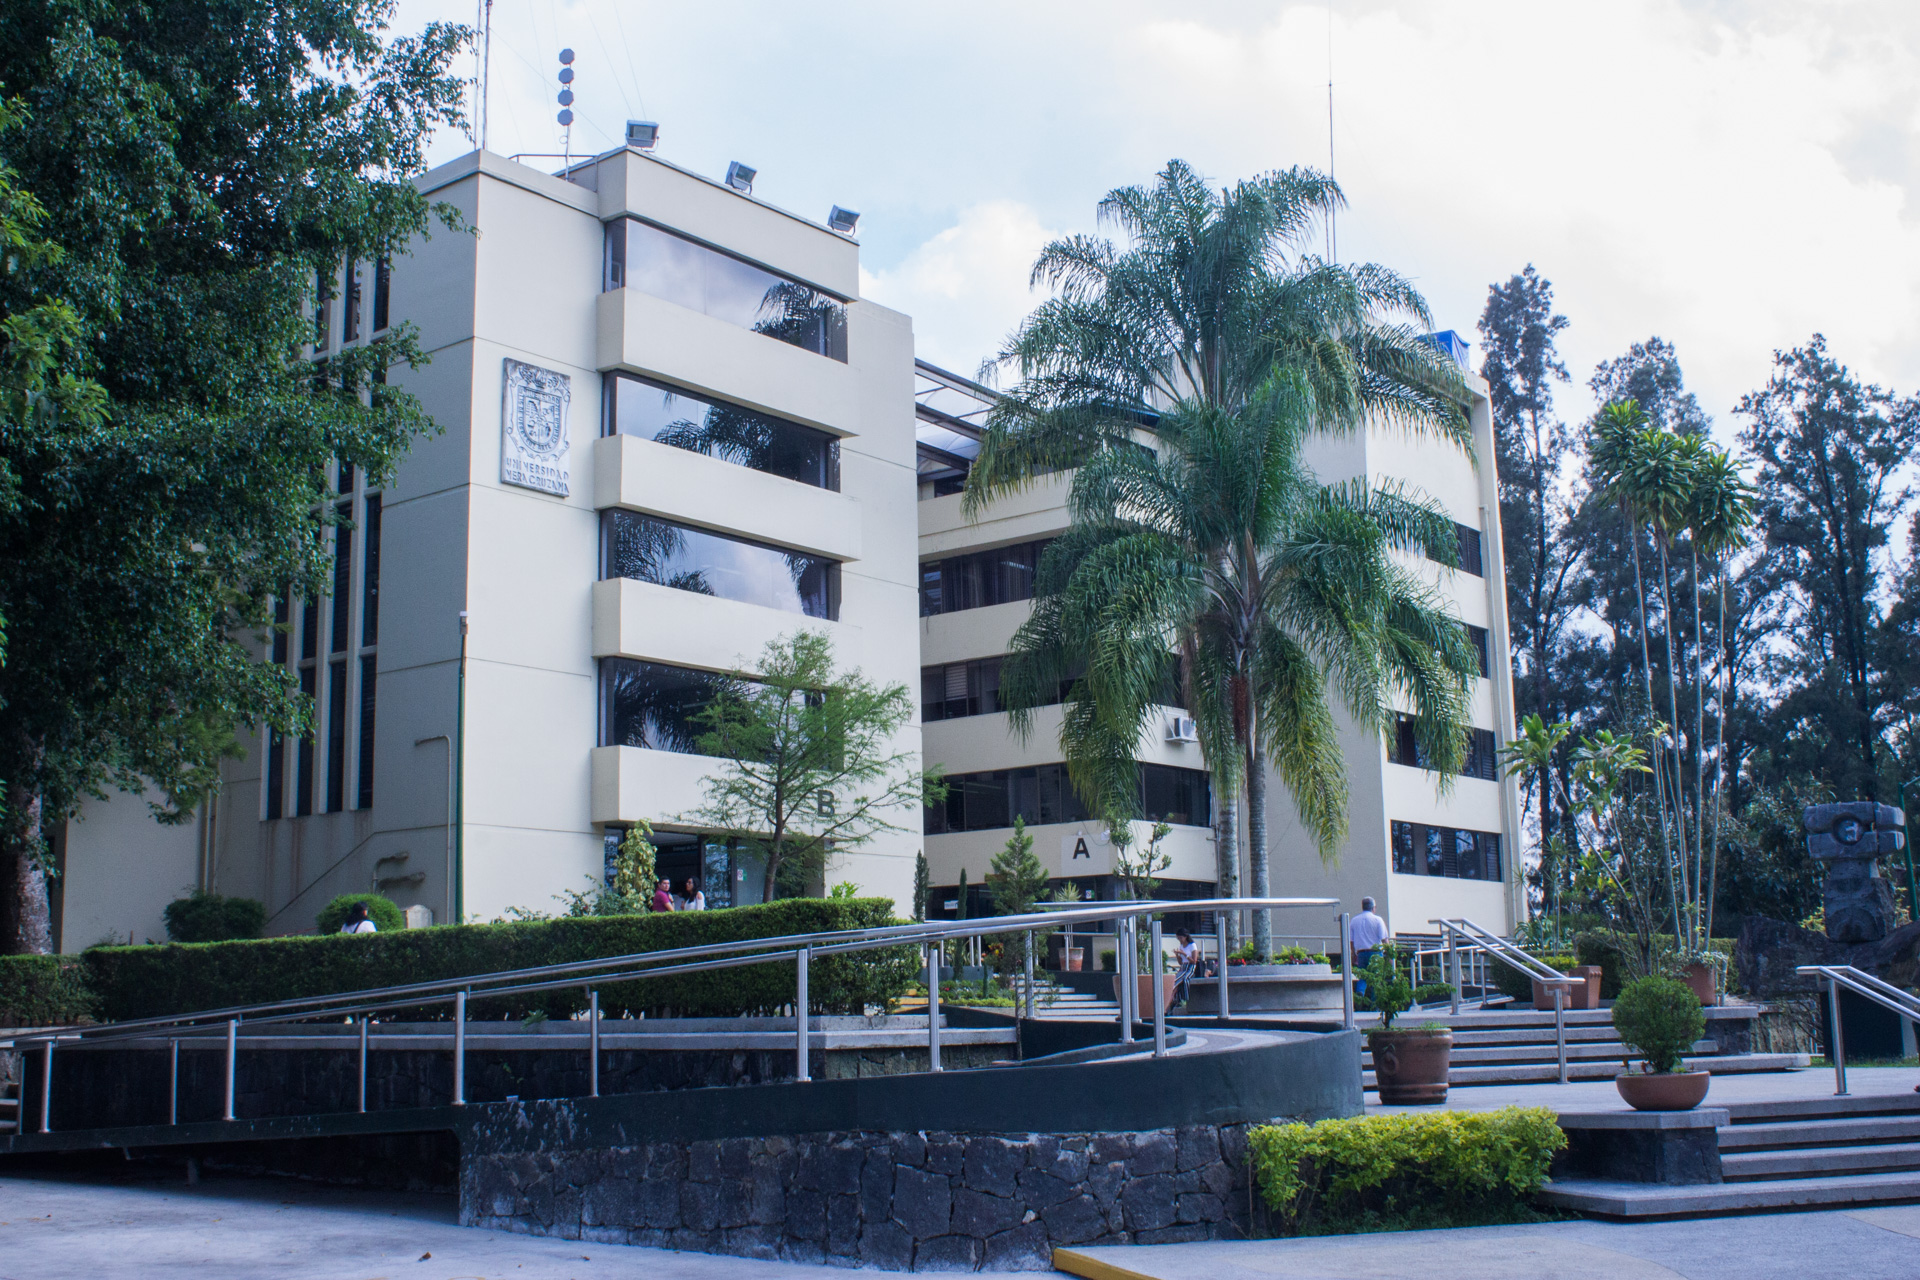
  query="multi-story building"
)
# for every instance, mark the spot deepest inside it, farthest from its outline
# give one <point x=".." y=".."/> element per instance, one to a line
<point x="672" y="431"/>
<point x="1419" y="849"/>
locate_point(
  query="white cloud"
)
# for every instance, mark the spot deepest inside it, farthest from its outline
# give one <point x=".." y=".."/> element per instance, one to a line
<point x="1730" y="174"/>
<point x="966" y="287"/>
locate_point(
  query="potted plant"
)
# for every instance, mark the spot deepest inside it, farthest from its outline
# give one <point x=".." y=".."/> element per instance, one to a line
<point x="1660" y="1018"/>
<point x="1701" y="973"/>
<point x="1409" y="1063"/>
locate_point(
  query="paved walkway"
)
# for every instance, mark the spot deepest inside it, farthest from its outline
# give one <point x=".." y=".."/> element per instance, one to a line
<point x="1600" y="1095"/>
<point x="243" y="1229"/>
<point x="1862" y="1244"/>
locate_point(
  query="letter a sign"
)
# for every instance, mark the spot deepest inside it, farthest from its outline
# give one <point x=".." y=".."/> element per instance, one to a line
<point x="1080" y="849"/>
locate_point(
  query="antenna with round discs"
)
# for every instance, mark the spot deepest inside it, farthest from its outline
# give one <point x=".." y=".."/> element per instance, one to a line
<point x="566" y="105"/>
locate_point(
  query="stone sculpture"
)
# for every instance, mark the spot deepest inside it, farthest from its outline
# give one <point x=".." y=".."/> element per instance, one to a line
<point x="1849" y="838"/>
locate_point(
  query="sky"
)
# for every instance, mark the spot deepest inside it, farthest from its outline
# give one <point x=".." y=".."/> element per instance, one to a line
<point x="1731" y="176"/>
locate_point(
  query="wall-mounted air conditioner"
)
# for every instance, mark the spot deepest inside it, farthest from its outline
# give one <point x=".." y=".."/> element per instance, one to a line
<point x="1182" y="729"/>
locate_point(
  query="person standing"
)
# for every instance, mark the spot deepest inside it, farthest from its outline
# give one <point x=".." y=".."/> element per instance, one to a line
<point x="1365" y="933"/>
<point x="663" y="896"/>
<point x="693" y="899"/>
<point x="359" y="920"/>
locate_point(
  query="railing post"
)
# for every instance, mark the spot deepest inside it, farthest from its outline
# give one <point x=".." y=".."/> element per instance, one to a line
<point x="933" y="1006"/>
<point x="800" y="1066"/>
<point x="1157" y="967"/>
<point x="1128" y="965"/>
<point x="363" y="1061"/>
<point x="173" y="1082"/>
<point x="459" y="1048"/>
<point x="593" y="1044"/>
<point x="1559" y="1026"/>
<point x="1028" y="939"/>
<point x="1453" y="969"/>
<point x="233" y="1054"/>
<point x="1837" y="1041"/>
<point x="46" y="1089"/>
<point x="1346" y="971"/>
<point x="1220" y="932"/>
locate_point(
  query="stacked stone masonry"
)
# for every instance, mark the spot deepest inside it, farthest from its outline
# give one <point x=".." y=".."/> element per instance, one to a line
<point x="895" y="1201"/>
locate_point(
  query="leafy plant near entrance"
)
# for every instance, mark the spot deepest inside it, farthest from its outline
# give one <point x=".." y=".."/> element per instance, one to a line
<point x="135" y="982"/>
<point x="1661" y="1018"/>
<point x="1388" y="1172"/>
<point x="386" y="913"/>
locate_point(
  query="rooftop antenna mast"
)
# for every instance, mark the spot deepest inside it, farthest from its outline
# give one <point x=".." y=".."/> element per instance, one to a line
<point x="485" y="53"/>
<point x="566" y="107"/>
<point x="1333" y="231"/>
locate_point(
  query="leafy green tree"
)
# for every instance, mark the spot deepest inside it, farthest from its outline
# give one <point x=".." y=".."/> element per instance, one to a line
<point x="1217" y="335"/>
<point x="808" y="761"/>
<point x="1834" y="454"/>
<point x="1016" y="878"/>
<point x="1532" y="447"/>
<point x="922" y="887"/>
<point x="199" y="168"/>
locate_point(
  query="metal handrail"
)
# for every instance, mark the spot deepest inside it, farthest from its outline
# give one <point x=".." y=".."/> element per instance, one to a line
<point x="1884" y="994"/>
<point x="1459" y="930"/>
<point x="799" y="948"/>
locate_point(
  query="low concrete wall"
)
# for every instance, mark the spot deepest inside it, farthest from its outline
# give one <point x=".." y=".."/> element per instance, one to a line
<point x="895" y="1200"/>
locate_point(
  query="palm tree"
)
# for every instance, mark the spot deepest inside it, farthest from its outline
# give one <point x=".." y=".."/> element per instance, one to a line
<point x="1214" y="334"/>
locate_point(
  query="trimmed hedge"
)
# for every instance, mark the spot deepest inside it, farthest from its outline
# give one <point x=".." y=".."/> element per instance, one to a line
<point x="1410" y="1171"/>
<point x="387" y="915"/>
<point x="1509" y="981"/>
<point x="208" y="917"/>
<point x="43" y="991"/>
<point x="154" y="981"/>
<point x="1597" y="946"/>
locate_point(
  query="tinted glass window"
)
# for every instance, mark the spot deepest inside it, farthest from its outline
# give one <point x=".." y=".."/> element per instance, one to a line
<point x="1000" y="576"/>
<point x="1477" y="637"/>
<point x="1418" y="849"/>
<point x="1042" y="794"/>
<point x="691" y="275"/>
<point x="647" y="549"/>
<point x="744" y="437"/>
<point x="648" y="704"/>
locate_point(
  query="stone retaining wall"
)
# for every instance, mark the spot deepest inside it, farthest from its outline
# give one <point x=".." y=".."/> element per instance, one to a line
<point x="895" y="1201"/>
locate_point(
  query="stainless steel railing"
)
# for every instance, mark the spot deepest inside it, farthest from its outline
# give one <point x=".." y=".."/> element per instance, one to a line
<point x="798" y="949"/>
<point x="1881" y="993"/>
<point x="1463" y="936"/>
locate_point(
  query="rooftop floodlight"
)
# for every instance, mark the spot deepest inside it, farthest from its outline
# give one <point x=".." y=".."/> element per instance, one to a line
<point x="565" y="117"/>
<point x="566" y="97"/>
<point x="643" y="134"/>
<point x="740" y="177"/>
<point x="566" y="56"/>
<point x="843" y="220"/>
<point x="566" y="75"/>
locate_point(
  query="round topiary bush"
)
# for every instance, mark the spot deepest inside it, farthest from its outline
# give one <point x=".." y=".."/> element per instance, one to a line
<point x="387" y="917"/>
<point x="208" y="917"/>
<point x="1661" y="1018"/>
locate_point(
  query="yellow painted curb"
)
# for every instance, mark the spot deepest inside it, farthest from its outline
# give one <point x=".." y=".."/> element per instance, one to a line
<point x="1079" y="1264"/>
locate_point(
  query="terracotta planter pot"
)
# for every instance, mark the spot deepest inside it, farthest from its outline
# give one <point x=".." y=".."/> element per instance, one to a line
<point x="1586" y="995"/>
<point x="1410" y="1066"/>
<point x="1668" y="1091"/>
<point x="1144" y="1010"/>
<point x="1699" y="978"/>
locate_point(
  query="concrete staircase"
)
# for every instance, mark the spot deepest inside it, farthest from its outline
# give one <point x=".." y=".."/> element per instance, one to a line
<point x="9" y="1107"/>
<point x="1051" y="1000"/>
<point x="1810" y="1152"/>
<point x="1516" y="1046"/>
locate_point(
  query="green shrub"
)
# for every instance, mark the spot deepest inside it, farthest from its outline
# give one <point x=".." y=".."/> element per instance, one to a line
<point x="1602" y="947"/>
<point x="44" y="991"/>
<point x="1661" y="1018"/>
<point x="1389" y="992"/>
<point x="136" y="982"/>
<point x="1509" y="981"/>
<point x="1416" y="1170"/>
<point x="208" y="917"/>
<point x="387" y="916"/>
<point x="1432" y="992"/>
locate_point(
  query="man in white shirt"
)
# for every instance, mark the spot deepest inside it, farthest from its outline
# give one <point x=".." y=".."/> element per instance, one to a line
<point x="1365" y="932"/>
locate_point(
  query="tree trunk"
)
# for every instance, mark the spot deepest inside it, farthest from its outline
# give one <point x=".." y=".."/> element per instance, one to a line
<point x="1226" y="850"/>
<point x="26" y="922"/>
<point x="1257" y="850"/>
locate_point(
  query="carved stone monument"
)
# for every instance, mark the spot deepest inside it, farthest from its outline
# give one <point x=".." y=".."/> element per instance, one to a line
<point x="1849" y="838"/>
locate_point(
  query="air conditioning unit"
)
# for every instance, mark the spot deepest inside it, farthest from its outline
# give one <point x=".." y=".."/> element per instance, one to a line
<point x="1182" y="729"/>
